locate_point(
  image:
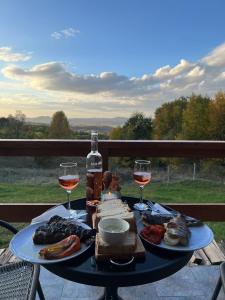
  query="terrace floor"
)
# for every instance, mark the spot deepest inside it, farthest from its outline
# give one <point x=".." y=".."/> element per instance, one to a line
<point x="190" y="283"/>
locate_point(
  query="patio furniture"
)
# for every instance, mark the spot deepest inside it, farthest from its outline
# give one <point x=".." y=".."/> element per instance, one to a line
<point x="19" y="280"/>
<point x="220" y="282"/>
<point x="157" y="264"/>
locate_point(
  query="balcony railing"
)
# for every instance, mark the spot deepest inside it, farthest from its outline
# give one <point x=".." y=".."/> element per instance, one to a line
<point x="20" y="212"/>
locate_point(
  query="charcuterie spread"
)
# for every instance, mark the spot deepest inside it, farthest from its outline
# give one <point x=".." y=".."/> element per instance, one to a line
<point x="64" y="237"/>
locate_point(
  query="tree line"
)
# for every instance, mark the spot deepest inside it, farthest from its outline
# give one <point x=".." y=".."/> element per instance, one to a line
<point x="188" y="118"/>
<point x="15" y="127"/>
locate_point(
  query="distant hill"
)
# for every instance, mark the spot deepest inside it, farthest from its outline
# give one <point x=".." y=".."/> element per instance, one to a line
<point x="88" y="128"/>
<point x="112" y="122"/>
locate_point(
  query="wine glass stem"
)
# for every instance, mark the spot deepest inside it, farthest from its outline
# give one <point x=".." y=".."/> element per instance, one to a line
<point x="68" y="199"/>
<point x="141" y="193"/>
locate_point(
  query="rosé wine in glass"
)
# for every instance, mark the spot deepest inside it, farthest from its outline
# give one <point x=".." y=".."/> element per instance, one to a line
<point x="68" y="180"/>
<point x="142" y="176"/>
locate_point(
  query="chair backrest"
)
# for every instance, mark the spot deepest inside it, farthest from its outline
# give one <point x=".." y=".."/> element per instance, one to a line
<point x="19" y="280"/>
<point x="8" y="226"/>
<point x="220" y="282"/>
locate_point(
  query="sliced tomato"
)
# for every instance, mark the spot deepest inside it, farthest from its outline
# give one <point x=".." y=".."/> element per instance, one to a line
<point x="153" y="233"/>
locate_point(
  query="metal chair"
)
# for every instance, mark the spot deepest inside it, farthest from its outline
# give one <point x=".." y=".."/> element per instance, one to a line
<point x="19" y="280"/>
<point x="220" y="282"/>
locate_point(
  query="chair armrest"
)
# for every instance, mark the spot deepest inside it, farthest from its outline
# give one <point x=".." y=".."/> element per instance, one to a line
<point x="8" y="226"/>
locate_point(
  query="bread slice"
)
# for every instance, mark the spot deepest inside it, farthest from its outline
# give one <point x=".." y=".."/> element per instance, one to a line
<point x="111" y="204"/>
<point x="114" y="208"/>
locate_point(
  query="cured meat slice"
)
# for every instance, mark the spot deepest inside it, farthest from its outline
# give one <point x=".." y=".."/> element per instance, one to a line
<point x="58" y="228"/>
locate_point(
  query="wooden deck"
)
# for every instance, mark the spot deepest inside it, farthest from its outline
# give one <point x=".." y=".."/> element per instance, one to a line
<point x="211" y="255"/>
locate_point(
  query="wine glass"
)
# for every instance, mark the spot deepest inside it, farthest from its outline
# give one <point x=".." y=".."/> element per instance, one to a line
<point x="142" y="176"/>
<point x="68" y="180"/>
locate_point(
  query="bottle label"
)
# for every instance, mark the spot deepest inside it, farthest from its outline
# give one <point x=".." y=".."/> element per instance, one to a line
<point x="95" y="164"/>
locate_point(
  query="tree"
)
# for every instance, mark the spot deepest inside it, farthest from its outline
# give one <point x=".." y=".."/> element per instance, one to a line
<point x="217" y="117"/>
<point x="59" y="127"/>
<point x="195" y="124"/>
<point x="116" y="133"/>
<point x="137" y="127"/>
<point x="168" y="120"/>
<point x="16" y="125"/>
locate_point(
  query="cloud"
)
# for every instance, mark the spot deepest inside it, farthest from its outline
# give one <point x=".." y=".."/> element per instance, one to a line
<point x="7" y="55"/>
<point x="65" y="33"/>
<point x="196" y="72"/>
<point x="216" y="57"/>
<point x="162" y="72"/>
<point x="167" y="71"/>
<point x="54" y="76"/>
<point x="183" y="66"/>
<point x="118" y="92"/>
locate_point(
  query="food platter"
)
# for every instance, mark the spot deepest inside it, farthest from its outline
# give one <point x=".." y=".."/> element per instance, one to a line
<point x="23" y="247"/>
<point x="201" y="236"/>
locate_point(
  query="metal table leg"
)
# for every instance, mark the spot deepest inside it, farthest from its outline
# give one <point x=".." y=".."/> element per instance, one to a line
<point x="111" y="293"/>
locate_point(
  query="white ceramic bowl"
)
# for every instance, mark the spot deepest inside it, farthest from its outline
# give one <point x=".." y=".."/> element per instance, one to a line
<point x="113" y="230"/>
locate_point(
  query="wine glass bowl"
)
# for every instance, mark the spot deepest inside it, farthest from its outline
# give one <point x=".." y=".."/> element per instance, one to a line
<point x="68" y="179"/>
<point x="142" y="176"/>
<point x="68" y="182"/>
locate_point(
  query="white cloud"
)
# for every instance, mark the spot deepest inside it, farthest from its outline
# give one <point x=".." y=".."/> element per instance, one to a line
<point x="54" y="76"/>
<point x="162" y="72"/>
<point x="56" y="35"/>
<point x="196" y="72"/>
<point x="183" y="66"/>
<point x="167" y="71"/>
<point x="120" y="93"/>
<point x="216" y="57"/>
<point x="65" y="33"/>
<point x="7" y="55"/>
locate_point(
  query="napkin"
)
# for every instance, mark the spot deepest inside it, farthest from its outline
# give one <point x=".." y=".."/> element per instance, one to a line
<point x="159" y="210"/>
<point x="61" y="211"/>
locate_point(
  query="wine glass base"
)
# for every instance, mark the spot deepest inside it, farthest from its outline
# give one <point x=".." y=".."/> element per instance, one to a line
<point x="141" y="206"/>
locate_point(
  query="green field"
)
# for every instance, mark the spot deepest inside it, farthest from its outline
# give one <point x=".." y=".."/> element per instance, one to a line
<point x="183" y="192"/>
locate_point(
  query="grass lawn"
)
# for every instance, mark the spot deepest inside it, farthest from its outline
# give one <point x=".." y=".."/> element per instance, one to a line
<point x="183" y="192"/>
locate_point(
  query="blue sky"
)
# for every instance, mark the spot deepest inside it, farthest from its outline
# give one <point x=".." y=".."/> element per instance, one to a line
<point x="109" y="57"/>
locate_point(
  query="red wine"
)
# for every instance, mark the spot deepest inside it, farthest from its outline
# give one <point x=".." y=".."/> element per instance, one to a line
<point x="68" y="182"/>
<point x="142" y="178"/>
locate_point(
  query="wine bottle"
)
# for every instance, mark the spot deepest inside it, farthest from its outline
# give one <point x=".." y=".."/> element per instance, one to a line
<point x="94" y="170"/>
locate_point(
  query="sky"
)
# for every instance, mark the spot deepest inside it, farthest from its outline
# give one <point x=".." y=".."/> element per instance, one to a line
<point x="108" y="58"/>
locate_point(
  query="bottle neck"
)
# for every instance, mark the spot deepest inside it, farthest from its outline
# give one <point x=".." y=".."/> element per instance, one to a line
<point x="94" y="142"/>
<point x="94" y="146"/>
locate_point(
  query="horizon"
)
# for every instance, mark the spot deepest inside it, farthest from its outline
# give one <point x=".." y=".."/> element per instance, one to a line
<point x="110" y="58"/>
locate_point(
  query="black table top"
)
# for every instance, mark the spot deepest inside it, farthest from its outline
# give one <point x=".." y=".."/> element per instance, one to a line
<point x="157" y="264"/>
